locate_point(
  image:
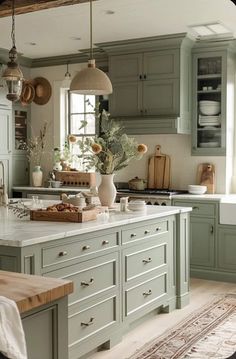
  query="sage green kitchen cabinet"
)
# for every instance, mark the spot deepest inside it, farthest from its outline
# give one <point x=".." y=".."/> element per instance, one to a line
<point x="46" y="331"/>
<point x="20" y="170"/>
<point x="203" y="229"/>
<point x="145" y="84"/>
<point x="213" y="80"/>
<point x="120" y="275"/>
<point x="151" y="81"/>
<point x="226" y="250"/>
<point x="20" y="133"/>
<point x="202" y="242"/>
<point x="6" y="131"/>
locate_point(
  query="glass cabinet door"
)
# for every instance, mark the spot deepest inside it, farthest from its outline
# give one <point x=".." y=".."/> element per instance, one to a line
<point x="209" y="107"/>
<point x="20" y="127"/>
<point x="209" y="82"/>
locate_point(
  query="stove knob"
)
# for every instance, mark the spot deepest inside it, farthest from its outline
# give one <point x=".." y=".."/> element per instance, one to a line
<point x="149" y="202"/>
<point x="163" y="204"/>
<point x="156" y="204"/>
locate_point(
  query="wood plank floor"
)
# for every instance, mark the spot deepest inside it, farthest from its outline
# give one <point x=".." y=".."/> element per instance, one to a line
<point x="201" y="292"/>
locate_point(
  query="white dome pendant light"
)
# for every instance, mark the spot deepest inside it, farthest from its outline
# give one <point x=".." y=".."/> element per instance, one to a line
<point x="13" y="74"/>
<point x="91" y="81"/>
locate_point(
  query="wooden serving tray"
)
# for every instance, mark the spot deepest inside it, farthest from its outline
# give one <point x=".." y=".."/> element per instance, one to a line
<point x="79" y="217"/>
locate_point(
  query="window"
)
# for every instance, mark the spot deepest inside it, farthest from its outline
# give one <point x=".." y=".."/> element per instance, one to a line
<point x="81" y="110"/>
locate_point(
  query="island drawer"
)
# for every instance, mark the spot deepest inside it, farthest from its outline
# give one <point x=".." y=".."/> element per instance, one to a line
<point x="92" y="320"/>
<point x="147" y="230"/>
<point x="64" y="252"/>
<point x="199" y="208"/>
<point x="139" y="296"/>
<point x="139" y="260"/>
<point x="90" y="278"/>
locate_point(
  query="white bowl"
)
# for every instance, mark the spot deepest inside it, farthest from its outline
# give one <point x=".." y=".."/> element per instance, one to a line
<point x="137" y="205"/>
<point x="209" y="108"/>
<point x="56" y="184"/>
<point x="197" y="189"/>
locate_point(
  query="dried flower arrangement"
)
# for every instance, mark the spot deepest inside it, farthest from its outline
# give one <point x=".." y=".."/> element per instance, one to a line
<point x="36" y="146"/>
<point x="112" y="149"/>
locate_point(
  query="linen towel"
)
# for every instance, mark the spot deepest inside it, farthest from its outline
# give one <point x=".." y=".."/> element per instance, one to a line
<point x="12" y="337"/>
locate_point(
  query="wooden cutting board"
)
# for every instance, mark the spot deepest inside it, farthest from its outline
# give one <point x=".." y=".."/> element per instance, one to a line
<point x="159" y="170"/>
<point x="206" y="176"/>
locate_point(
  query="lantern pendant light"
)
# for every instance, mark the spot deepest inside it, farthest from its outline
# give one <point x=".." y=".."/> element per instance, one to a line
<point x="13" y="74"/>
<point x="91" y="81"/>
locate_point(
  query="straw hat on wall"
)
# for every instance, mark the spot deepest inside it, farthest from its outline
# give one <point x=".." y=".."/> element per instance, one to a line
<point x="27" y="93"/>
<point x="43" y="90"/>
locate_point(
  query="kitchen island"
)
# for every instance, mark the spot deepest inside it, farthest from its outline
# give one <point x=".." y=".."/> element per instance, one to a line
<point x="124" y="268"/>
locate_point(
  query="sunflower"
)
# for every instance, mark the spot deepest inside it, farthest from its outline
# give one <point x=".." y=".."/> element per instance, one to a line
<point x="72" y="139"/>
<point x="142" y="148"/>
<point x="96" y="148"/>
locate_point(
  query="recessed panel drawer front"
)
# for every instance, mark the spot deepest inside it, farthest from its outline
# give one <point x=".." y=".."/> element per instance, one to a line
<point x="147" y="230"/>
<point x="68" y="251"/>
<point x="199" y="208"/>
<point x="143" y="294"/>
<point x="90" y="278"/>
<point x="145" y="260"/>
<point x="99" y="316"/>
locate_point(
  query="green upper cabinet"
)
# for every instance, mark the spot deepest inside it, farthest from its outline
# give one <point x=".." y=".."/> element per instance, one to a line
<point x="151" y="80"/>
<point x="213" y="98"/>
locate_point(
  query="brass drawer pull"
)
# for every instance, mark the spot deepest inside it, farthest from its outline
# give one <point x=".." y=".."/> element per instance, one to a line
<point x="105" y="242"/>
<point x="147" y="260"/>
<point x="89" y="323"/>
<point x="145" y="294"/>
<point x="62" y="254"/>
<point x="195" y="207"/>
<point x="133" y="235"/>
<point x="84" y="248"/>
<point x="158" y="229"/>
<point x="147" y="231"/>
<point x="86" y="284"/>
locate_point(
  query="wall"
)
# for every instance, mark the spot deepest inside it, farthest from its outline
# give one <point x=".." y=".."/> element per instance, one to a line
<point x="178" y="147"/>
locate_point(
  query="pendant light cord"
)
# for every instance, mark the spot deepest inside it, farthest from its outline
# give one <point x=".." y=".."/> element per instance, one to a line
<point x="13" y="25"/>
<point x="91" y="31"/>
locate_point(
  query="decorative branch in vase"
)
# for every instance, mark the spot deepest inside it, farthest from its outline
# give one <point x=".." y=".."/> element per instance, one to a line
<point x="109" y="152"/>
<point x="35" y="151"/>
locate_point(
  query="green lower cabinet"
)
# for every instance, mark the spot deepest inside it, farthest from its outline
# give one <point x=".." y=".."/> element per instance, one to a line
<point x="226" y="245"/>
<point x="46" y="331"/>
<point x="202" y="242"/>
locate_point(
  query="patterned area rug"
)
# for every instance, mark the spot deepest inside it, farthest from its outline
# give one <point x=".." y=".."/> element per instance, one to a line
<point x="208" y="333"/>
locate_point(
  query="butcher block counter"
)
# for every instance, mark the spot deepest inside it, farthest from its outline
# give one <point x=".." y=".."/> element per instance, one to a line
<point x="30" y="292"/>
<point x="124" y="267"/>
<point x="43" y="305"/>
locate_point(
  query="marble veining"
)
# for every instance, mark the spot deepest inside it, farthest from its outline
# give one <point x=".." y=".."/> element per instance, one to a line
<point x="23" y="232"/>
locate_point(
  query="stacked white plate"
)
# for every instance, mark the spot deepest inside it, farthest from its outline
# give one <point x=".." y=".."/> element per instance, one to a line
<point x="211" y="144"/>
<point x="137" y="205"/>
<point x="209" y="120"/>
<point x="196" y="189"/>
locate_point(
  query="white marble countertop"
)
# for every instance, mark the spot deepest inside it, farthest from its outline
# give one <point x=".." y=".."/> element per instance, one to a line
<point x="49" y="189"/>
<point x="208" y="197"/>
<point x="21" y="232"/>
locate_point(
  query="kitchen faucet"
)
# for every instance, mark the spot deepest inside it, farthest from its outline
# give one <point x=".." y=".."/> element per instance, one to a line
<point x="3" y="195"/>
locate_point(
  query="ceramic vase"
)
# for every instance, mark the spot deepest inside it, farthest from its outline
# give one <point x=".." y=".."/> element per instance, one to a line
<point x="57" y="166"/>
<point x="107" y="190"/>
<point x="37" y="176"/>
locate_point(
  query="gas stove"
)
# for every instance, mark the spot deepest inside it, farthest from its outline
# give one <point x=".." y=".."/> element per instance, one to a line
<point x="157" y="197"/>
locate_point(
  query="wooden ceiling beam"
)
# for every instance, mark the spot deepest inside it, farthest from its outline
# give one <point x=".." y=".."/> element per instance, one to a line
<point x="26" y="6"/>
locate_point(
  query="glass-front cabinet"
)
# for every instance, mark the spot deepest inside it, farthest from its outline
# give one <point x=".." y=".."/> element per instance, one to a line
<point x="213" y="100"/>
<point x="20" y="119"/>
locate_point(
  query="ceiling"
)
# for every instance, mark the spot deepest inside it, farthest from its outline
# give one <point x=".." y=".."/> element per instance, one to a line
<point x="65" y="30"/>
